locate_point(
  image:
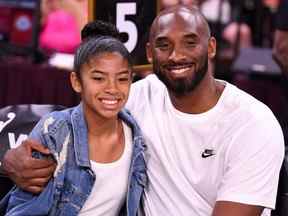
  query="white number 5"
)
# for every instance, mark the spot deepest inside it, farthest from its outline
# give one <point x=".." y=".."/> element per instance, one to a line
<point x="123" y="9"/>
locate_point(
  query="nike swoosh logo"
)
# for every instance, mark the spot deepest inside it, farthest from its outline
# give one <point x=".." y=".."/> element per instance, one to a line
<point x="205" y="155"/>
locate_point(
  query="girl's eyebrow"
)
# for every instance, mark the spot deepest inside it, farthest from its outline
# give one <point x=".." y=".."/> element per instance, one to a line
<point x="125" y="71"/>
<point x="97" y="71"/>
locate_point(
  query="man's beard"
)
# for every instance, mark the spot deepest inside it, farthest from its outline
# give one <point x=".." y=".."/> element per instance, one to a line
<point x="182" y="87"/>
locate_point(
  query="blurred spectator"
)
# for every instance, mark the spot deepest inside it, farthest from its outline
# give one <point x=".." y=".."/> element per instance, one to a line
<point x="259" y="17"/>
<point x="168" y="3"/>
<point x="271" y="4"/>
<point x="280" y="49"/>
<point x="280" y="54"/>
<point x="62" y="21"/>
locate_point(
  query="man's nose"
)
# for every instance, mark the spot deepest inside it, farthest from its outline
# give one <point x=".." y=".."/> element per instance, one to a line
<point x="177" y="54"/>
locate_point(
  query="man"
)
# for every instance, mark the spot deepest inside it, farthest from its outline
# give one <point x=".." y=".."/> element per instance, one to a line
<point x="212" y="149"/>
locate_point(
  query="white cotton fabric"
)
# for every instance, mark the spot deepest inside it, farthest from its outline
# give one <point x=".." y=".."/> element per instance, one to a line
<point x="110" y="188"/>
<point x="242" y="132"/>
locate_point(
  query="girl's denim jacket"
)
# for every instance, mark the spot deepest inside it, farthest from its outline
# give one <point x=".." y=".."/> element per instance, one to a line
<point x="65" y="134"/>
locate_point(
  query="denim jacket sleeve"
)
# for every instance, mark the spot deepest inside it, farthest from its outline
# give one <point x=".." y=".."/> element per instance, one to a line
<point x="18" y="202"/>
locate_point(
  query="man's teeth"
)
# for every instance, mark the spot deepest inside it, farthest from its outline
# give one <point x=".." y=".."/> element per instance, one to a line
<point x="179" y="71"/>
<point x="109" y="102"/>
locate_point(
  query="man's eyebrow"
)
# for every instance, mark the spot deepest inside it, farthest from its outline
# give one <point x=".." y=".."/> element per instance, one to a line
<point x="192" y="36"/>
<point x="161" y="38"/>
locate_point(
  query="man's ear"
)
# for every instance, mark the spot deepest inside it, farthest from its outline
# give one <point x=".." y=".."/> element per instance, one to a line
<point x="211" y="47"/>
<point x="149" y="53"/>
<point x="75" y="82"/>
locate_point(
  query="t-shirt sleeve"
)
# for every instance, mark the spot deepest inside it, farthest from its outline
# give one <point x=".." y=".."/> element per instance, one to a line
<point x="132" y="96"/>
<point x="254" y="158"/>
<point x="282" y="16"/>
<point x="137" y="95"/>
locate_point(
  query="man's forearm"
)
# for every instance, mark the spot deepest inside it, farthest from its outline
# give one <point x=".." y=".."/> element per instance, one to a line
<point x="26" y="172"/>
<point x="227" y="208"/>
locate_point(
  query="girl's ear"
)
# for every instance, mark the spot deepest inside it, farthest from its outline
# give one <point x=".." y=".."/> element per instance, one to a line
<point x="75" y="82"/>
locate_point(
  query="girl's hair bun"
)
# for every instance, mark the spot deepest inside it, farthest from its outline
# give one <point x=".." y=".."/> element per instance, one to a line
<point x="99" y="28"/>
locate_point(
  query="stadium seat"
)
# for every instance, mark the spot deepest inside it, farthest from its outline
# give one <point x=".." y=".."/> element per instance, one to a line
<point x="16" y="122"/>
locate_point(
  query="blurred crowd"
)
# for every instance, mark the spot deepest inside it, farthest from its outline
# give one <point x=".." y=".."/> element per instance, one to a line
<point x="235" y="23"/>
<point x="61" y="22"/>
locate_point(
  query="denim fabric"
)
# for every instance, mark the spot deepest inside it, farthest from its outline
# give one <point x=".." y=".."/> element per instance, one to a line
<point x="65" y="134"/>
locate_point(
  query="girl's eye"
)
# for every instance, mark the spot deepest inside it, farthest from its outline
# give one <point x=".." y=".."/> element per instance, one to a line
<point x="98" y="78"/>
<point x="123" y="79"/>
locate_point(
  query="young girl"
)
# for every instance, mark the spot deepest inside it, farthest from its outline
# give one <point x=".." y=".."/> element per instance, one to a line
<point x="98" y="146"/>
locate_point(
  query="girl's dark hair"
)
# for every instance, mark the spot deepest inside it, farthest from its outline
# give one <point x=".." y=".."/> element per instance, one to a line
<point x="99" y="37"/>
<point x="99" y="28"/>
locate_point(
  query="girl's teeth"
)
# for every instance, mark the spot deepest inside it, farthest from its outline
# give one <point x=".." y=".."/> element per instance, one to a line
<point x="110" y="102"/>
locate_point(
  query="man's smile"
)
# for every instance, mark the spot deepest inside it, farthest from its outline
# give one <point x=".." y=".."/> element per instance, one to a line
<point x="180" y="69"/>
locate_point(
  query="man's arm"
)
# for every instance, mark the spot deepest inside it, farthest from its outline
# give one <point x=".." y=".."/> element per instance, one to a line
<point x="28" y="173"/>
<point x="252" y="165"/>
<point x="225" y="208"/>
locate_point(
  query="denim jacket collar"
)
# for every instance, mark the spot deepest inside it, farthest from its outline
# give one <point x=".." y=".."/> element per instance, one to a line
<point x="80" y="132"/>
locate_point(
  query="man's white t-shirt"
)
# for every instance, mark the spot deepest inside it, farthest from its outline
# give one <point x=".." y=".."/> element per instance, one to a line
<point x="232" y="152"/>
<point x="110" y="188"/>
